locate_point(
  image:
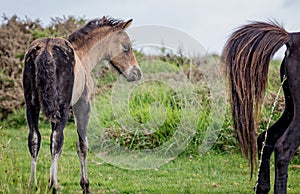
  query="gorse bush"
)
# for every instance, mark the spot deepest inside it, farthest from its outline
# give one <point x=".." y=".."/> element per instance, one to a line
<point x="15" y="36"/>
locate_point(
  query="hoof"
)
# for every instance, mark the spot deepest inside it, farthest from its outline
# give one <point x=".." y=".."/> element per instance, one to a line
<point x="50" y="184"/>
<point x="261" y="190"/>
<point x="85" y="185"/>
<point x="87" y="191"/>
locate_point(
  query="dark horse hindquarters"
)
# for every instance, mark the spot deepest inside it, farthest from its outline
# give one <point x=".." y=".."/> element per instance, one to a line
<point x="289" y="136"/>
<point x="247" y="55"/>
<point x="51" y="61"/>
<point x="48" y="82"/>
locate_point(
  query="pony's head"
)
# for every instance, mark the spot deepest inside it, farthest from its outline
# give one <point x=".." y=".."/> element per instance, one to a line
<point x="106" y="39"/>
<point x="121" y="55"/>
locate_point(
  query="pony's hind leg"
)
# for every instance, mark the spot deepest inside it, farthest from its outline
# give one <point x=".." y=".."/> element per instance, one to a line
<point x="284" y="151"/>
<point x="32" y="116"/>
<point x="266" y="143"/>
<point x="34" y="140"/>
<point x="57" y="140"/>
<point x="273" y="134"/>
<point x="286" y="146"/>
<point x="81" y="111"/>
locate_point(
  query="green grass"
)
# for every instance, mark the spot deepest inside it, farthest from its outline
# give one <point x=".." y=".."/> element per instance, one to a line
<point x="154" y="109"/>
<point x="220" y="170"/>
<point x="209" y="173"/>
<point x="193" y="174"/>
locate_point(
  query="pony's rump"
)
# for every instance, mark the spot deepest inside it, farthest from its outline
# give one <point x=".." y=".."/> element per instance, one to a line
<point x="46" y="82"/>
<point x="246" y="55"/>
<point x="52" y="57"/>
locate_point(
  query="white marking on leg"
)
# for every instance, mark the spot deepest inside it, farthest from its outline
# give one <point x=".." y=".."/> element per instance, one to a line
<point x="34" y="150"/>
<point x="54" y="165"/>
<point x="54" y="138"/>
<point x="53" y="171"/>
<point x="33" y="172"/>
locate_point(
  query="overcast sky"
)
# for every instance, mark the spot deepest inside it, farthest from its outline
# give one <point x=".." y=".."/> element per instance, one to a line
<point x="208" y="21"/>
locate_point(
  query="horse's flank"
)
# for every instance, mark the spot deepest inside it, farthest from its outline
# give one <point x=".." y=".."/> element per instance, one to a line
<point x="82" y="79"/>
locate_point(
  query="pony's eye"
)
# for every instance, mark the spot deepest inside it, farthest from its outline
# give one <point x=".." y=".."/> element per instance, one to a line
<point x="126" y="48"/>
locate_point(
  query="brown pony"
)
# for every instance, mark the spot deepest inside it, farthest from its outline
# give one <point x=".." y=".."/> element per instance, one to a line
<point x="57" y="76"/>
<point x="247" y="54"/>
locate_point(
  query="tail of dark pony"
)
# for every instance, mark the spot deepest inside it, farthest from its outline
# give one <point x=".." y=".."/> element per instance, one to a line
<point x="46" y="83"/>
<point x="247" y="54"/>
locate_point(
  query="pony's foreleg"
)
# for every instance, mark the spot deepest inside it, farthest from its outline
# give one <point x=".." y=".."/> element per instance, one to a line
<point x="81" y="111"/>
<point x="57" y="140"/>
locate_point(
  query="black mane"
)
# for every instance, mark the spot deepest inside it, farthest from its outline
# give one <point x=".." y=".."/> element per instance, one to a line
<point x="92" y="25"/>
<point x="105" y="21"/>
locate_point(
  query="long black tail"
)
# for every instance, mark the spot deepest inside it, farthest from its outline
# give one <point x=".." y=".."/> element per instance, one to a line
<point x="46" y="84"/>
<point x="247" y="54"/>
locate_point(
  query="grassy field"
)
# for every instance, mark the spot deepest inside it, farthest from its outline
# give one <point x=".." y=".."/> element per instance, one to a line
<point x="208" y="173"/>
<point x="220" y="170"/>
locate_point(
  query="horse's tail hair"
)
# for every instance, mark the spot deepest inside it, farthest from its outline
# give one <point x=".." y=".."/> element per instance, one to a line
<point x="46" y="83"/>
<point x="246" y="55"/>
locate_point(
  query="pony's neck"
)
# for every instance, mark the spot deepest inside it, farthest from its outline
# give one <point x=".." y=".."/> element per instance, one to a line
<point x="94" y="50"/>
<point x="93" y="56"/>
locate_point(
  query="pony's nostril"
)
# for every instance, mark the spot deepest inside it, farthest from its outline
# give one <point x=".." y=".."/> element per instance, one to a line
<point x="136" y="72"/>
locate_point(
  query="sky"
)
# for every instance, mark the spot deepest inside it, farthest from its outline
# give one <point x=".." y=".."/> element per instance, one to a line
<point x="208" y="21"/>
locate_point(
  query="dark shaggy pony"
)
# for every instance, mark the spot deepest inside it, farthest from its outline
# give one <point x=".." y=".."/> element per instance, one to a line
<point x="247" y="54"/>
<point x="57" y="76"/>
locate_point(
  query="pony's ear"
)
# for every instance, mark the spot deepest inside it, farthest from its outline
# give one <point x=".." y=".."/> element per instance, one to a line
<point x="124" y="25"/>
<point x="127" y="24"/>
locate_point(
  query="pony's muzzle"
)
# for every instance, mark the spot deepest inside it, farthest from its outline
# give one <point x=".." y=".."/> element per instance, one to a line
<point x="133" y="73"/>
